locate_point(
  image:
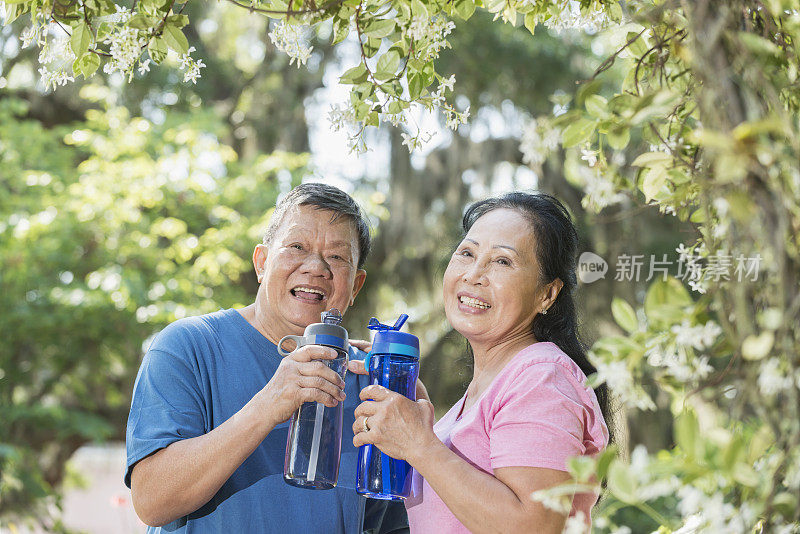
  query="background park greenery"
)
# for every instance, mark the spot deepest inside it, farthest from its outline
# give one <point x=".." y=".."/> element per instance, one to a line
<point x="125" y="205"/>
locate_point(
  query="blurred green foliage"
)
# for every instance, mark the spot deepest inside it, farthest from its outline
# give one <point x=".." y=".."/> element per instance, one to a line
<point x="111" y="228"/>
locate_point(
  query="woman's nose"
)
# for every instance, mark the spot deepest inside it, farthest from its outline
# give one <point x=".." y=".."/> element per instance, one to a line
<point x="475" y="274"/>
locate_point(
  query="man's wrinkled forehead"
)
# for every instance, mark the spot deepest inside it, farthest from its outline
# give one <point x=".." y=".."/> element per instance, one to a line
<point x="306" y="221"/>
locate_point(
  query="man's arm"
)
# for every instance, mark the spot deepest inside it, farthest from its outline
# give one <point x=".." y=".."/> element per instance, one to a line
<point x="185" y="475"/>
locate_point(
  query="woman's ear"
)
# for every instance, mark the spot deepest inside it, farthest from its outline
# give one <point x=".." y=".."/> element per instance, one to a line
<point x="551" y="294"/>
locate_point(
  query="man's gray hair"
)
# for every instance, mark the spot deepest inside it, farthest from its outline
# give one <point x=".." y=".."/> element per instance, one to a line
<point x="323" y="197"/>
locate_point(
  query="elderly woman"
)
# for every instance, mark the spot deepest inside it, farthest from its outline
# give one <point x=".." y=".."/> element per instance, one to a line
<point x="508" y="290"/>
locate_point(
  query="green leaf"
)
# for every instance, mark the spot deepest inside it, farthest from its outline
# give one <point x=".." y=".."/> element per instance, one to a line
<point x="618" y="137"/>
<point x="621" y="482"/>
<point x="89" y="64"/>
<point x="140" y="21"/>
<point x="597" y="106"/>
<point x="416" y="85"/>
<point x="581" y="467"/>
<point x="13" y="11"/>
<point x="418" y="8"/>
<point x="665" y="301"/>
<point x="355" y="75"/>
<point x="179" y="20"/>
<point x="530" y="22"/>
<point x="465" y="8"/>
<point x="624" y="315"/>
<point x="578" y="132"/>
<point x="175" y="39"/>
<point x="341" y="29"/>
<point x="653" y="182"/>
<point x="157" y="48"/>
<point x="80" y="39"/>
<point x="379" y="28"/>
<point x="650" y="159"/>
<point x="387" y="64"/>
<point x="687" y="431"/>
<point x="371" y="46"/>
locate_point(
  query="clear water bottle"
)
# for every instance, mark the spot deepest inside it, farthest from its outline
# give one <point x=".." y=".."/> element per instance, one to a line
<point x="392" y="363"/>
<point x="314" y="445"/>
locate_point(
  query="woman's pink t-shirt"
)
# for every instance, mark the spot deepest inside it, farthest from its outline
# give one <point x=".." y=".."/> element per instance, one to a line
<point x="538" y="412"/>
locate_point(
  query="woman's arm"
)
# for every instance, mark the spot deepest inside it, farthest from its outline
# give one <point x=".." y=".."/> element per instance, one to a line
<point x="482" y="502"/>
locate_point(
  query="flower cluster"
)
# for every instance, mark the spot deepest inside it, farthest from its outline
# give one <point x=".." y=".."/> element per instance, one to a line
<point x="191" y="66"/>
<point x="600" y="191"/>
<point x="569" y="15"/>
<point x="125" y="47"/>
<point x="293" y="40"/>
<point x="617" y="375"/>
<point x="432" y="32"/>
<point x="539" y="139"/>
<point x="55" y="58"/>
<point x="674" y="350"/>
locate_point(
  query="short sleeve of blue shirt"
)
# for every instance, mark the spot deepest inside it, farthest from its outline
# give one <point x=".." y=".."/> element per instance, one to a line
<point x="199" y="372"/>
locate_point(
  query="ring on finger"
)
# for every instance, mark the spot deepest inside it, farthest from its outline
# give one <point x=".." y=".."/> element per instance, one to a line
<point x="366" y="425"/>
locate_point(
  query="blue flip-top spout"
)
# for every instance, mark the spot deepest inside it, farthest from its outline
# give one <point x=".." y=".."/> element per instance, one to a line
<point x="374" y="324"/>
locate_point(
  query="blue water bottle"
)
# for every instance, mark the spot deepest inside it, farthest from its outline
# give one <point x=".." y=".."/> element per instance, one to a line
<point x="392" y="363"/>
<point x="314" y="443"/>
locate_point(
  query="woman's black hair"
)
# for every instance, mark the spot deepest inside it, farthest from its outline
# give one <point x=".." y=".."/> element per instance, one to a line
<point x="556" y="251"/>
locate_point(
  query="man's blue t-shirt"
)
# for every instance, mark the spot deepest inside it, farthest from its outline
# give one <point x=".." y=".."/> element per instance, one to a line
<point x="197" y="373"/>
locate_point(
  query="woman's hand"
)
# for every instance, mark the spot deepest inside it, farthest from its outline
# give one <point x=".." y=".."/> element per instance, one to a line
<point x="398" y="426"/>
<point x="357" y="367"/>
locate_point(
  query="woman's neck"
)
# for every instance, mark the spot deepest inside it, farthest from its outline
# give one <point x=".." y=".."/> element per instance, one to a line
<point x="491" y="358"/>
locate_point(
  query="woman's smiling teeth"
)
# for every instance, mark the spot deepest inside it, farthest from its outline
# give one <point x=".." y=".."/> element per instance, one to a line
<point x="474" y="303"/>
<point x="308" y="293"/>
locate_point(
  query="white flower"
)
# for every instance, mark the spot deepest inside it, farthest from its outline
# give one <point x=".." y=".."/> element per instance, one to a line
<point x="144" y="67"/>
<point x="539" y="139"/>
<point x="600" y="191"/>
<point x="570" y="15"/>
<point x="589" y="156"/>
<point x="292" y="39"/>
<point x="576" y="524"/>
<point x="620" y="381"/>
<point x="448" y="82"/>
<point x="772" y="380"/>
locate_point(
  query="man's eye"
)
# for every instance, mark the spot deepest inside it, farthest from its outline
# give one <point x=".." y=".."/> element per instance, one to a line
<point x="503" y="261"/>
<point x="297" y="246"/>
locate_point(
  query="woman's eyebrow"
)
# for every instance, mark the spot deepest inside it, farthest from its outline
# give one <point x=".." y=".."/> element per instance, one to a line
<point x="509" y="247"/>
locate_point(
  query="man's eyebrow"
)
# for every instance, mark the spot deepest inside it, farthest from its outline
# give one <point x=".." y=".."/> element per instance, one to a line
<point x="347" y="244"/>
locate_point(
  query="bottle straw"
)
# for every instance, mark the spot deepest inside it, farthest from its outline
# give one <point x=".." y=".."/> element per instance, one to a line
<point x="312" y="461"/>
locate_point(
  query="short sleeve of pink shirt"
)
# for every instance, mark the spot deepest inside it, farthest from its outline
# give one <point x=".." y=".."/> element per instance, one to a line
<point x="538" y="412"/>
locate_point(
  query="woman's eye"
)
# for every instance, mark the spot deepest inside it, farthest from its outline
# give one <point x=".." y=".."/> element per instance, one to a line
<point x="465" y="252"/>
<point x="296" y="246"/>
<point x="503" y="261"/>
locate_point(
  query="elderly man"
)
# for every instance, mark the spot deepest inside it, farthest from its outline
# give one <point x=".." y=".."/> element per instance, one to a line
<point x="208" y="423"/>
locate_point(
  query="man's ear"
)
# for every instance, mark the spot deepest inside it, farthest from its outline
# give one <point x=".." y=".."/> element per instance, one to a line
<point x="358" y="283"/>
<point x="259" y="259"/>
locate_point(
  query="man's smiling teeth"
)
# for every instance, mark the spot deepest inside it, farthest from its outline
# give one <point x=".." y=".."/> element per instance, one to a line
<point x="309" y="290"/>
<point x="475" y="303"/>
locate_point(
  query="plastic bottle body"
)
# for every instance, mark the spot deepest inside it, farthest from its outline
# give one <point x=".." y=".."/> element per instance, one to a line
<point x="380" y="476"/>
<point x="314" y="444"/>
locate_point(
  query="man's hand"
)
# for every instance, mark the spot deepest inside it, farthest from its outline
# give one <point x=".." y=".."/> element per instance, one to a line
<point x="300" y="378"/>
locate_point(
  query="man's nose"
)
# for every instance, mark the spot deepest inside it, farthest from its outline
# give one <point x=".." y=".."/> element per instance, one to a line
<point x="316" y="265"/>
